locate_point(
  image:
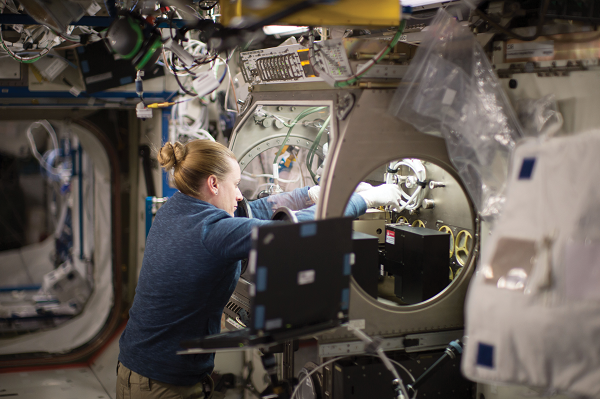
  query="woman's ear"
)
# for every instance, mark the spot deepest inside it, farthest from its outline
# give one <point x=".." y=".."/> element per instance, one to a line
<point x="213" y="184"/>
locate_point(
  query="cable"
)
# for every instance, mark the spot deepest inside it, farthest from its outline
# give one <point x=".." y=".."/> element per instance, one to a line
<point x="374" y="345"/>
<point x="216" y="68"/>
<point x="335" y="359"/>
<point x="229" y="56"/>
<point x="375" y="59"/>
<point x="313" y="149"/>
<point x="295" y="392"/>
<point x="208" y="8"/>
<point x="51" y="56"/>
<point x="224" y="73"/>
<point x="271" y="176"/>
<point x="196" y="130"/>
<point x="167" y="103"/>
<point x="195" y="48"/>
<point x="396" y="363"/>
<point x="538" y="29"/>
<point x="34" y="149"/>
<point x="189" y="93"/>
<point x="366" y="67"/>
<point x="204" y="136"/>
<point x="301" y="115"/>
<point x="21" y="59"/>
<point x="15" y="56"/>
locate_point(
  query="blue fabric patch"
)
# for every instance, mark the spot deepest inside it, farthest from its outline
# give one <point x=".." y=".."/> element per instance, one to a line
<point x="126" y="80"/>
<point x="259" y="317"/>
<point x="81" y="49"/>
<point x="347" y="265"/>
<point x="345" y="298"/>
<point x="307" y="230"/>
<point x="485" y="355"/>
<point x="85" y="67"/>
<point x="527" y="168"/>
<point x="261" y="279"/>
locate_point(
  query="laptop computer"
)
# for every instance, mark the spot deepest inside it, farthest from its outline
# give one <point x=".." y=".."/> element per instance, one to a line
<point x="300" y="276"/>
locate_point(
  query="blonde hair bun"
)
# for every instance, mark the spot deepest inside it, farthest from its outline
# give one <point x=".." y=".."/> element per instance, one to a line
<point x="193" y="163"/>
<point x="171" y="154"/>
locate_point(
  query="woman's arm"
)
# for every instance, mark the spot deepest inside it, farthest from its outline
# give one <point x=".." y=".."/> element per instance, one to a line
<point x="228" y="238"/>
<point x="356" y="207"/>
<point x="297" y="199"/>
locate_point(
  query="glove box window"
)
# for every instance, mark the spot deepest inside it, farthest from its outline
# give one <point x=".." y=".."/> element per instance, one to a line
<point x="423" y="243"/>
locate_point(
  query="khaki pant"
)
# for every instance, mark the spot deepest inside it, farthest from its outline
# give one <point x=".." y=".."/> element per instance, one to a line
<point x="131" y="385"/>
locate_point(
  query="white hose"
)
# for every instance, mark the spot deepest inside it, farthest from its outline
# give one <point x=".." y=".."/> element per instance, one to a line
<point x="34" y="149"/>
<point x="193" y="130"/>
<point x="335" y="359"/>
<point x="413" y="201"/>
<point x="201" y="134"/>
<point x="271" y="176"/>
<point x="410" y="201"/>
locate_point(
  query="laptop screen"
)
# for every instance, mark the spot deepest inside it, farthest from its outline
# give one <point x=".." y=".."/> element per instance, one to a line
<point x="301" y="274"/>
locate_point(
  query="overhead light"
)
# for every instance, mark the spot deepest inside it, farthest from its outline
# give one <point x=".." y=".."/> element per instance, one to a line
<point x="282" y="30"/>
<point x="420" y="3"/>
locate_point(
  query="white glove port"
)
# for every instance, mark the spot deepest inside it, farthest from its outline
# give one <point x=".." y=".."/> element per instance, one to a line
<point x="362" y="186"/>
<point x="383" y="195"/>
<point x="314" y="193"/>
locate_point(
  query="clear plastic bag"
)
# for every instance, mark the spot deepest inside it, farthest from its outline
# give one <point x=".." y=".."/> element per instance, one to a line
<point x="539" y="117"/>
<point x="450" y="89"/>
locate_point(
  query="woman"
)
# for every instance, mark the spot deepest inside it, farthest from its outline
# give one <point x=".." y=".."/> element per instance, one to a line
<point x="191" y="266"/>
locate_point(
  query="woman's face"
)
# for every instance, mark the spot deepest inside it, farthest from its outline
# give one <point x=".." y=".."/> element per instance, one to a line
<point x="228" y="192"/>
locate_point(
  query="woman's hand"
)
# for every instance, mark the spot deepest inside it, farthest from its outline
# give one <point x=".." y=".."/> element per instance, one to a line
<point x="314" y="193"/>
<point x="383" y="195"/>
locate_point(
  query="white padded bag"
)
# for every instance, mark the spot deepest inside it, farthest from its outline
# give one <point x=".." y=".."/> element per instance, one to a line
<point x="532" y="312"/>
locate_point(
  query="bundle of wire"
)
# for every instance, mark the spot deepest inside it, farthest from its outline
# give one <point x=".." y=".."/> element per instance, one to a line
<point x="51" y="43"/>
<point x="197" y="49"/>
<point x="37" y="38"/>
<point x="181" y="127"/>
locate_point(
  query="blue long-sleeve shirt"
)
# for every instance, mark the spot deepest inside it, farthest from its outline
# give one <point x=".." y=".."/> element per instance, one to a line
<point x="190" y="269"/>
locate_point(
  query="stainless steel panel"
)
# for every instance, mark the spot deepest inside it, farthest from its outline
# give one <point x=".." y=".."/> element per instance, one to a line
<point x="369" y="138"/>
<point x="359" y="145"/>
<point x="357" y="347"/>
<point x="372" y="227"/>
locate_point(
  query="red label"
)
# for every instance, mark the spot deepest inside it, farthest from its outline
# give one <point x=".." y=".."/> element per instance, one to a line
<point x="390" y="237"/>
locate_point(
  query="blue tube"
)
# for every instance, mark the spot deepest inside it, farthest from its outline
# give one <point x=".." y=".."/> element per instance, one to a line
<point x="21" y="288"/>
<point x="148" y="214"/>
<point x="80" y="174"/>
<point x="111" y="7"/>
<point x="167" y="191"/>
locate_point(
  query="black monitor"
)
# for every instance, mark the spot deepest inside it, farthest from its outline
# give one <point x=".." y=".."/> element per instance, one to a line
<point x="301" y="284"/>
